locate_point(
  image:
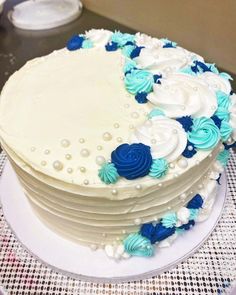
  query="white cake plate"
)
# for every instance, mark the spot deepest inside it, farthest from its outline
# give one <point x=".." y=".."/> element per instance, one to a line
<point x="80" y="262"/>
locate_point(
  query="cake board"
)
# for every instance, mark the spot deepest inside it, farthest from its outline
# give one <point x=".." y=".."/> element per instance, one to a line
<point x="80" y="262"/>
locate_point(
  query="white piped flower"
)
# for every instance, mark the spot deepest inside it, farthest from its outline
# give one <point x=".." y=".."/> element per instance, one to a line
<point x="99" y="37"/>
<point x="183" y="215"/>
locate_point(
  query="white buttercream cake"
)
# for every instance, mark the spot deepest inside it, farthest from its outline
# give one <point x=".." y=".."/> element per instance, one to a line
<point x="119" y="140"/>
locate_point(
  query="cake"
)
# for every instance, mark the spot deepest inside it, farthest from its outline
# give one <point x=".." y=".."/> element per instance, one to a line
<point x="119" y="140"/>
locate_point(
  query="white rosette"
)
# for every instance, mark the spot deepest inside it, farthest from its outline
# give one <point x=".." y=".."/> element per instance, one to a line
<point x="182" y="95"/>
<point x="165" y="136"/>
<point x="99" y="37"/>
<point x="147" y="41"/>
<point x="164" y="60"/>
<point x="216" y="82"/>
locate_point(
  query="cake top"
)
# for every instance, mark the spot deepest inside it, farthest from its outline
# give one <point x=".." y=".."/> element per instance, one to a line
<point x="114" y="110"/>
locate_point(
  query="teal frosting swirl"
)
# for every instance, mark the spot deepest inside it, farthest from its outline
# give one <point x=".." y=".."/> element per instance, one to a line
<point x="129" y="65"/>
<point x="139" y="81"/>
<point x="193" y="213"/>
<point x="159" y="168"/>
<point x="169" y="220"/>
<point x="223" y="157"/>
<point x="223" y="99"/>
<point x="225" y="130"/>
<point x="121" y="39"/>
<point x="204" y="134"/>
<point x="126" y="50"/>
<point x="108" y="173"/>
<point x="87" y="44"/>
<point x="188" y="71"/>
<point x="137" y="245"/>
<point x="155" y="112"/>
<point x="223" y="114"/>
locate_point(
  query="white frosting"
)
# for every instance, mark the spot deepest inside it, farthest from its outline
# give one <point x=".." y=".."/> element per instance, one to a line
<point x="116" y="251"/>
<point x="216" y="82"/>
<point x="147" y="41"/>
<point x="99" y="37"/>
<point x="165" y="136"/>
<point x="182" y="95"/>
<point x="183" y="215"/>
<point x="163" y="60"/>
<point x="167" y="242"/>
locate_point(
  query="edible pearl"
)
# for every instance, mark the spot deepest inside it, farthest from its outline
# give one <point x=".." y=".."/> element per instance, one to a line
<point x="104" y="235"/>
<point x="182" y="196"/>
<point x="153" y="141"/>
<point x="183" y="108"/>
<point x="107" y="136"/>
<point x="200" y="186"/>
<point x="82" y="169"/>
<point x="169" y="208"/>
<point x="57" y="165"/>
<point x="138" y="187"/>
<point x="190" y="148"/>
<point x="100" y="160"/>
<point x="126" y="105"/>
<point x="68" y="156"/>
<point x="86" y="181"/>
<point x="210" y="155"/>
<point x="176" y="175"/>
<point x="160" y="184"/>
<point x="81" y="140"/>
<point x="114" y="192"/>
<point x="155" y="218"/>
<point x="99" y="147"/>
<point x="172" y="165"/>
<point x="84" y="152"/>
<point x="93" y="247"/>
<point x="116" y="125"/>
<point x="32" y="149"/>
<point x="124" y="231"/>
<point x="195" y="88"/>
<point x="46" y="152"/>
<point x="138" y="221"/>
<point x="135" y="115"/>
<point x="43" y="163"/>
<point x="213" y="108"/>
<point x="174" y="131"/>
<point x="131" y="126"/>
<point x="183" y="163"/>
<point x="197" y="162"/>
<point x="119" y="139"/>
<point x="69" y="170"/>
<point x="65" y="143"/>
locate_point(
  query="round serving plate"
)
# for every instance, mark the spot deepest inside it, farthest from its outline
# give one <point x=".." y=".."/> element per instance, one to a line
<point x="82" y="263"/>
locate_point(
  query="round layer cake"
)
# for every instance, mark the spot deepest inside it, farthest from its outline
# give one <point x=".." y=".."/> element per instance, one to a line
<point x="119" y="140"/>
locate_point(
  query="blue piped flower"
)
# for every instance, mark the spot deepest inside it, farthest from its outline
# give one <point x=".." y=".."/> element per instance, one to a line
<point x="204" y="134"/>
<point x="159" y="168"/>
<point x="226" y="76"/>
<point x="223" y="157"/>
<point x="155" y="113"/>
<point x="75" y="42"/>
<point x="136" y="51"/>
<point x="223" y="99"/>
<point x="111" y="46"/>
<point x="157" y="79"/>
<point x="188" y="225"/>
<point x="147" y="230"/>
<point x="141" y="97"/>
<point x="195" y="203"/>
<point x="129" y="66"/>
<point x="225" y="130"/>
<point x="189" y="151"/>
<point x="229" y="146"/>
<point x="139" y="81"/>
<point x="216" y="120"/>
<point x="122" y="39"/>
<point x="87" y="44"/>
<point x="108" y="173"/>
<point x="132" y="161"/>
<point x="161" y="233"/>
<point x="168" y="43"/>
<point x="193" y="214"/>
<point x="186" y="122"/>
<point x="222" y="114"/>
<point x="169" y="220"/>
<point x="126" y="50"/>
<point x="200" y="67"/>
<point x="137" y="245"/>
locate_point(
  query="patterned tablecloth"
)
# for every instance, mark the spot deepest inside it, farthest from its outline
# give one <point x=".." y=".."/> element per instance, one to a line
<point x="211" y="270"/>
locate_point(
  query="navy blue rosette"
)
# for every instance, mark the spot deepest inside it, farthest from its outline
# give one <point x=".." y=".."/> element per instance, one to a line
<point x="156" y="233"/>
<point x="132" y="161"/>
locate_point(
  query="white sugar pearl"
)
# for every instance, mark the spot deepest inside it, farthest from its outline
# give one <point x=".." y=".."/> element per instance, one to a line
<point x="200" y="186"/>
<point x="190" y="148"/>
<point x="182" y="163"/>
<point x="100" y="160"/>
<point x="65" y="143"/>
<point x="138" y="187"/>
<point x="68" y="156"/>
<point x="69" y="170"/>
<point x="124" y="231"/>
<point x="43" y="163"/>
<point x="57" y="165"/>
<point x="86" y="182"/>
<point x="99" y="147"/>
<point x="138" y="221"/>
<point x="134" y="115"/>
<point x="119" y="139"/>
<point x="172" y="165"/>
<point x="131" y="126"/>
<point x="93" y="247"/>
<point x="82" y="169"/>
<point x="84" y="152"/>
<point x="107" y="136"/>
<point x="183" y="196"/>
<point x="174" y="131"/>
<point x="114" y="192"/>
<point x="81" y="140"/>
<point x="153" y="141"/>
<point x="116" y="125"/>
<point x="47" y="152"/>
<point x="32" y="149"/>
<point x="160" y="184"/>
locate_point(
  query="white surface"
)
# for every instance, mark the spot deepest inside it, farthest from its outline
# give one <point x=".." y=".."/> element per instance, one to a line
<point x="44" y="14"/>
<point x="1" y="5"/>
<point x="81" y="262"/>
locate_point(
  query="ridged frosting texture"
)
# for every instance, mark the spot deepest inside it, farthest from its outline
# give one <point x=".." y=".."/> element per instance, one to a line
<point x="165" y="136"/>
<point x="139" y="81"/>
